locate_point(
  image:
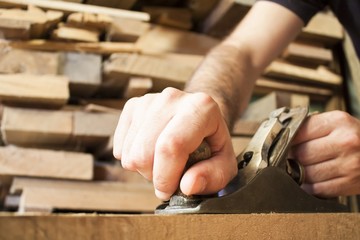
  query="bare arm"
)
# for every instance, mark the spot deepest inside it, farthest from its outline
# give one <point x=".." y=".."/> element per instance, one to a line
<point x="230" y="70"/>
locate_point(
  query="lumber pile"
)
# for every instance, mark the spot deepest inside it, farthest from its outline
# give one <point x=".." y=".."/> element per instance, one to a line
<point x="67" y="69"/>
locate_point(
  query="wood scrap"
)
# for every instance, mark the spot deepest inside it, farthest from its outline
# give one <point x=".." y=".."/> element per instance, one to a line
<point x="225" y="16"/>
<point x="192" y="226"/>
<point x="97" y="48"/>
<point x="17" y="161"/>
<point x="124" y="4"/>
<point x="99" y="22"/>
<point x="93" y="129"/>
<point x="42" y="128"/>
<point x="120" y="67"/>
<point x="172" y="17"/>
<point x="26" y="24"/>
<point x="84" y="71"/>
<point x="69" y="33"/>
<point x="32" y="62"/>
<point x="126" y="30"/>
<point x="319" y="76"/>
<point x="138" y="87"/>
<point x="164" y="39"/>
<point x="74" y="7"/>
<point x="268" y="85"/>
<point x="38" y="90"/>
<point x="38" y="194"/>
<point x="307" y="54"/>
<point x="323" y="28"/>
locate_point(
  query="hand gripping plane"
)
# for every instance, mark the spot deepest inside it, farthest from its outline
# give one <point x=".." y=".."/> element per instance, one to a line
<point x="267" y="180"/>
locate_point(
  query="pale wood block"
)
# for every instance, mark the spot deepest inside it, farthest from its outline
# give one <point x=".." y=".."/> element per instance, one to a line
<point x="32" y="62"/>
<point x="292" y="72"/>
<point x="114" y="172"/>
<point x="93" y="129"/>
<point x="208" y="226"/>
<point x="123" y="4"/>
<point x="170" y="16"/>
<point x="99" y="22"/>
<point x="31" y="127"/>
<point x="307" y="54"/>
<point x="96" y="47"/>
<point x="80" y="196"/>
<point x="27" y="89"/>
<point x="323" y="28"/>
<point x="75" y="7"/>
<point x="268" y="85"/>
<point x="84" y="72"/>
<point x="45" y="163"/>
<point x="163" y="72"/>
<point x="245" y="127"/>
<point x="126" y="30"/>
<point x="164" y="39"/>
<point x="138" y="87"/>
<point x="69" y="33"/>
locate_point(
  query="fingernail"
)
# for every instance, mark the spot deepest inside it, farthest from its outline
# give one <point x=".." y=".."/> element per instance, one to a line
<point x="161" y="195"/>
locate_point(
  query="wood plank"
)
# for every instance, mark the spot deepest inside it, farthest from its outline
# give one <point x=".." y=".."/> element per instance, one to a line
<point x="323" y="28"/>
<point x="84" y="72"/>
<point x="17" y="161"/>
<point x="93" y="129"/>
<point x="239" y="144"/>
<point x="138" y="87"/>
<point x="38" y="194"/>
<point x="113" y="171"/>
<point x="126" y="30"/>
<point x="268" y="85"/>
<point x="226" y="15"/>
<point x="32" y="62"/>
<point x="307" y="54"/>
<point x="41" y="128"/>
<point x="69" y="33"/>
<point x="89" y="21"/>
<point x="27" y="89"/>
<point x="245" y="127"/>
<point x="124" y="4"/>
<point x="164" y="39"/>
<point x="170" y="16"/>
<point x="164" y="73"/>
<point x="25" y="24"/>
<point x="292" y="72"/>
<point x="97" y="48"/>
<point x="258" y="226"/>
<point x="74" y="7"/>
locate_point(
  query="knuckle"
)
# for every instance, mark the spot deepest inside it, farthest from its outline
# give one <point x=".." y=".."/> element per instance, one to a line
<point x="341" y="116"/>
<point x="170" y="93"/>
<point x="350" y="141"/>
<point x="169" y="147"/>
<point x="162" y="184"/>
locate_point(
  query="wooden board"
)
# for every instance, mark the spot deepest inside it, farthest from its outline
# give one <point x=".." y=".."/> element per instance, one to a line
<point x="239" y="144"/>
<point x="17" y="161"/>
<point x="123" y="4"/>
<point x="126" y="30"/>
<point x="226" y="15"/>
<point x="319" y="76"/>
<point x="164" y="73"/>
<point x="84" y="72"/>
<point x="41" y="128"/>
<point x="172" y="17"/>
<point x="75" y="34"/>
<point x="39" y="195"/>
<point x="245" y="127"/>
<point x="138" y="87"/>
<point x="74" y="7"/>
<point x="323" y="28"/>
<point x="27" y="89"/>
<point x="25" y="24"/>
<point x="164" y="39"/>
<point x="98" y="47"/>
<point x="268" y="85"/>
<point x="98" y="22"/>
<point x="221" y="226"/>
<point x="32" y="62"/>
<point x="307" y="54"/>
<point x="93" y="129"/>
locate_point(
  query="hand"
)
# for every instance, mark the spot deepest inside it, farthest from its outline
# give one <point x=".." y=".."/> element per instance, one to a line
<point x="157" y="132"/>
<point x="328" y="146"/>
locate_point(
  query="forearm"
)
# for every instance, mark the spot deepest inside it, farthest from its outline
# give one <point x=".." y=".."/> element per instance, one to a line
<point x="228" y="76"/>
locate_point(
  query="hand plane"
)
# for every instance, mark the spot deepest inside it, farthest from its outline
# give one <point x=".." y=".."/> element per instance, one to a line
<point x="267" y="181"/>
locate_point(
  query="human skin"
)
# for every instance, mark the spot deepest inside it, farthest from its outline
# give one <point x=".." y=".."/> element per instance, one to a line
<point x="157" y="132"/>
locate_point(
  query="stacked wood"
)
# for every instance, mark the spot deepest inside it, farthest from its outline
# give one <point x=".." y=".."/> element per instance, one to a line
<point x="86" y="65"/>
